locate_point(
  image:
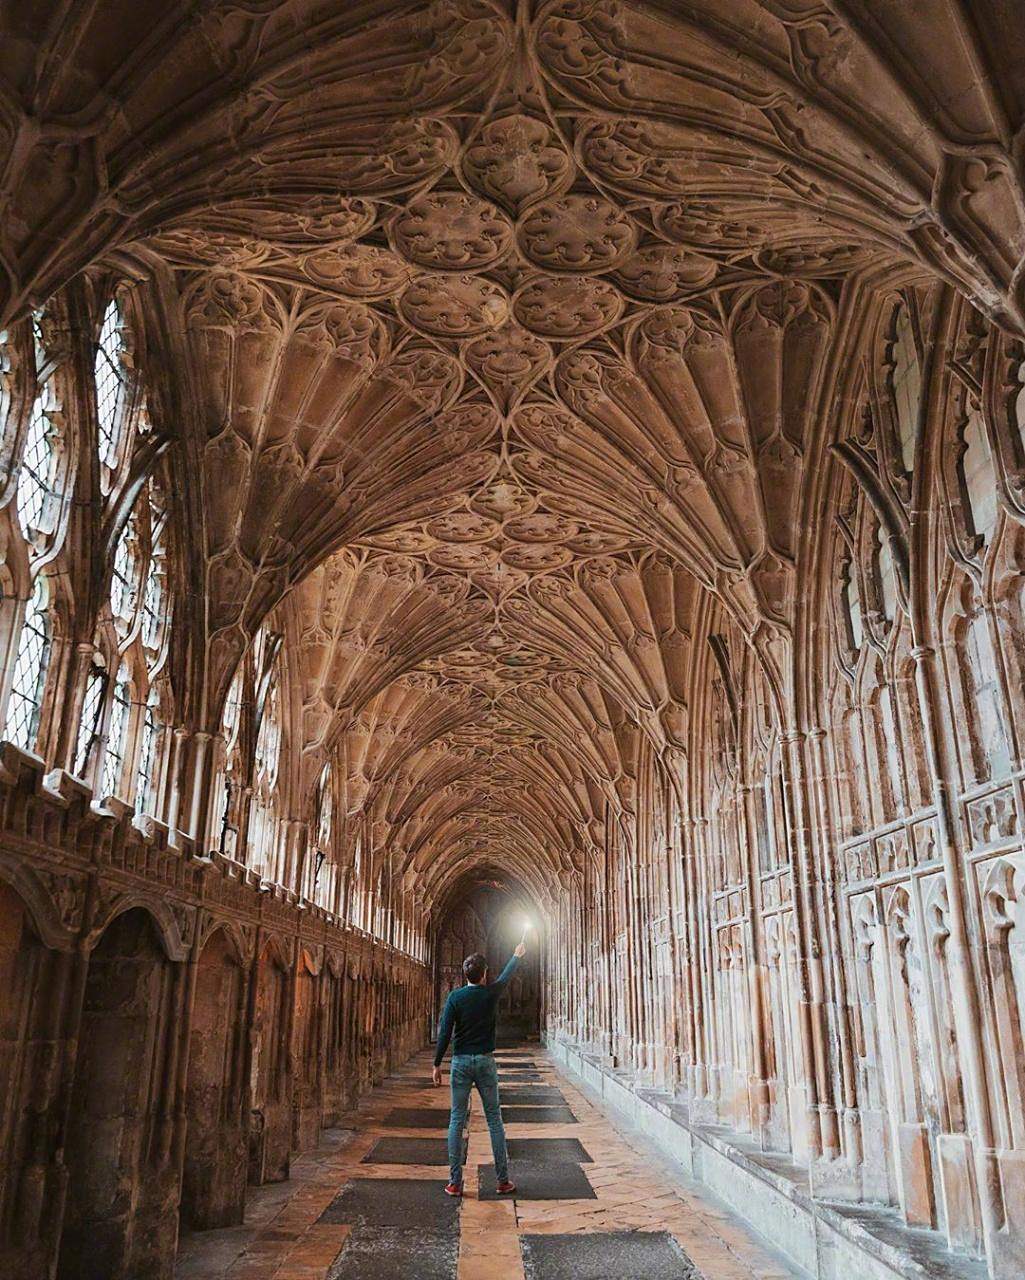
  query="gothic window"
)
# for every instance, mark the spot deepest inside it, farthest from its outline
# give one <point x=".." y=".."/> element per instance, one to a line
<point x="117" y="734"/>
<point x="268" y="740"/>
<point x="40" y="473"/>
<point x="146" y="777"/>
<point x="124" y="578"/>
<point x="30" y="665"/>
<point x="91" y="722"/>
<point x="326" y="810"/>
<point x="133" y="639"/>
<point x="7" y="417"/>
<point x="231" y="728"/>
<point x="155" y="605"/>
<point x="39" y="488"/>
<point x="111" y="385"/>
<point x="265" y="766"/>
<point x="356" y="882"/>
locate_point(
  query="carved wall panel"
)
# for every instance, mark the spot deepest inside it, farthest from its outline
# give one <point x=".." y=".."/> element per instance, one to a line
<point x="571" y="451"/>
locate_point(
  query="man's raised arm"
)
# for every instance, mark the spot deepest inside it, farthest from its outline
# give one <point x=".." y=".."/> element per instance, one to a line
<point x="510" y="968"/>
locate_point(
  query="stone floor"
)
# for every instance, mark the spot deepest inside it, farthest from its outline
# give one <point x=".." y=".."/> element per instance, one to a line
<point x="593" y="1204"/>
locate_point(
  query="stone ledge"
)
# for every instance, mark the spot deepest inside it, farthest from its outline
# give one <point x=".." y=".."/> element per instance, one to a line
<point x="829" y="1241"/>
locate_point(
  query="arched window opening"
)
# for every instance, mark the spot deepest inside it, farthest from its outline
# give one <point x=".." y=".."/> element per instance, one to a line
<point x="155" y="603"/>
<point x="111" y="385"/>
<point x="124" y="578"/>
<point x="356" y="883"/>
<point x="146" y="778"/>
<point x="266" y="757"/>
<point x="321" y="875"/>
<point x="231" y="725"/>
<point x="325" y="815"/>
<point x="7" y="423"/>
<point x="268" y="740"/>
<point x="91" y="723"/>
<point x="30" y="665"/>
<point x="37" y="478"/>
<point x="117" y="734"/>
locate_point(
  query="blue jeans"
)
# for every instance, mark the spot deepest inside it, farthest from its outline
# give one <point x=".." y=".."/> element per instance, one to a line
<point x="475" y="1069"/>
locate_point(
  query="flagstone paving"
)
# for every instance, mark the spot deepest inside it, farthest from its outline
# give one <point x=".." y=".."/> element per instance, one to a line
<point x="341" y="1217"/>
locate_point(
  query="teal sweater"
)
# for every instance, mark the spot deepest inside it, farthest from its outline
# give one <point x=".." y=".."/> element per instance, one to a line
<point x="471" y="1012"/>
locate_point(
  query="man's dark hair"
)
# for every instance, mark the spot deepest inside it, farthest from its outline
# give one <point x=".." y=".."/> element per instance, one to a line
<point x="475" y="967"/>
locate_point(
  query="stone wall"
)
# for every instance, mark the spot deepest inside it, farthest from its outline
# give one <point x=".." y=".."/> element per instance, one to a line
<point x="172" y="1030"/>
<point x="805" y="922"/>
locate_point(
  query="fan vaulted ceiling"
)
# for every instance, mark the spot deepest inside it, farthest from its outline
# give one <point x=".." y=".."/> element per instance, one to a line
<point x="504" y="333"/>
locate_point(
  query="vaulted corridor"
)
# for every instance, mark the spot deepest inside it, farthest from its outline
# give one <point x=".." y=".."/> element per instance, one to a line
<point x="470" y="462"/>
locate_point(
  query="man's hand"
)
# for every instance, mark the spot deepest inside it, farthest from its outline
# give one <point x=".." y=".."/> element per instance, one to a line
<point x="520" y="951"/>
<point x="437" y="1075"/>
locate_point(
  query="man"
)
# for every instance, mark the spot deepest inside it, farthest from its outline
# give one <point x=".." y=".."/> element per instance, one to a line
<point x="471" y="1013"/>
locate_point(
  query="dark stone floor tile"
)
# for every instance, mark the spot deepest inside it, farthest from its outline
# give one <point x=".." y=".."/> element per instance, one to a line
<point x="433" y="1151"/>
<point x="532" y="1095"/>
<point x="542" y="1150"/>
<point x="376" y="1253"/>
<point x="410" y="1204"/>
<point x="625" y="1255"/>
<point x="417" y="1117"/>
<point x="538" y="1115"/>
<point x="538" y="1182"/>
<point x="519" y="1077"/>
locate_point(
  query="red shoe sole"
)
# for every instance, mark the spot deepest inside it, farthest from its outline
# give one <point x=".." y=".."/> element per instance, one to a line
<point x="506" y="1191"/>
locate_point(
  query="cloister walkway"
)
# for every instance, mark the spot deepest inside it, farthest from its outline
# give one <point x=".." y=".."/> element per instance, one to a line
<point x="593" y="1202"/>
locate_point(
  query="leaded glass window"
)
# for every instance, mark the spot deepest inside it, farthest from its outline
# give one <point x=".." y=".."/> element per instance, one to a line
<point x="39" y="461"/>
<point x="92" y="718"/>
<point x="146" y="777"/>
<point x="268" y="740"/>
<point x="154" y="599"/>
<point x="232" y="723"/>
<point x="111" y="386"/>
<point x="124" y="575"/>
<point x="29" y="680"/>
<point x="6" y="373"/>
<point x="852" y="605"/>
<point x="117" y="732"/>
<point x="326" y="814"/>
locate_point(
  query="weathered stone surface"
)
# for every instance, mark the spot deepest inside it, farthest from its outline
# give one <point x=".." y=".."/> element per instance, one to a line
<point x="629" y="1255"/>
<point x="551" y="1180"/>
